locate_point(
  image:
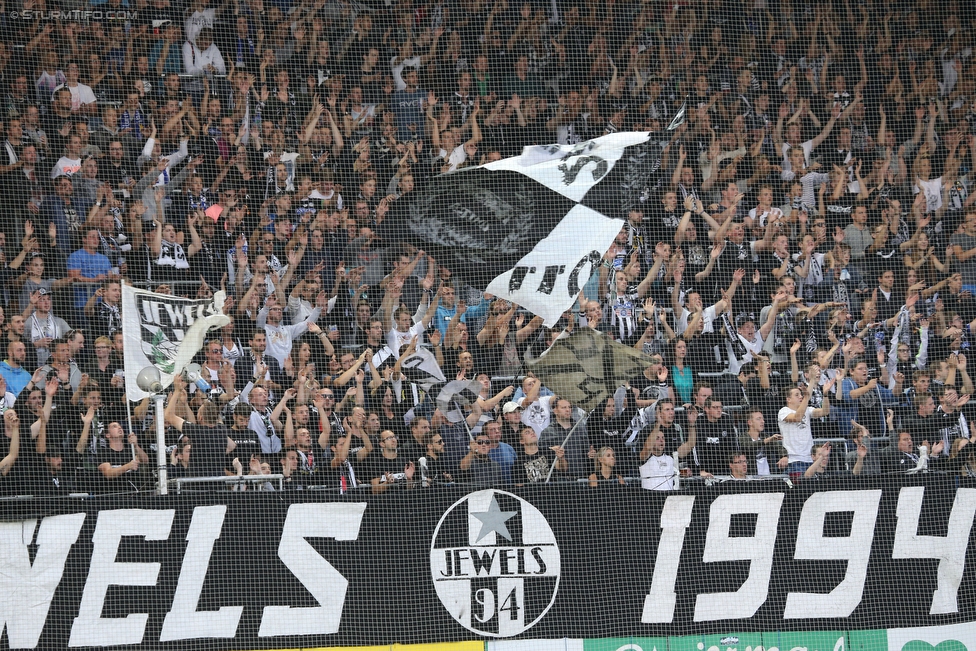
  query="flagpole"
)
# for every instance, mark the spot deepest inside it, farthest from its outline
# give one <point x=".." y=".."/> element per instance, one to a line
<point x="566" y="440"/>
<point x="128" y="413"/>
<point x="463" y="419"/>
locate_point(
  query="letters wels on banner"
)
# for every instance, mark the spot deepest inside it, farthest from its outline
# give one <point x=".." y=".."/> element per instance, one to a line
<point x="493" y="564"/>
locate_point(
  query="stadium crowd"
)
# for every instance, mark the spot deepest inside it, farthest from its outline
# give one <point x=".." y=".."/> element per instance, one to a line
<point x="802" y="266"/>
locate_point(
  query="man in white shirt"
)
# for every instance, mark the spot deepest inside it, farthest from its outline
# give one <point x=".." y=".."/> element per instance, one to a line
<point x="404" y="329"/>
<point x="536" y="411"/>
<point x="280" y="337"/>
<point x="794" y="424"/>
<point x="71" y="161"/>
<point x="203" y="56"/>
<point x="658" y="472"/>
<point x="694" y="302"/>
<point x="82" y="96"/>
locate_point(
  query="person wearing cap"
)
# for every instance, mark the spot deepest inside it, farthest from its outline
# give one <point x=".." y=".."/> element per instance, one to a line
<point x="44" y="326"/>
<point x="511" y="422"/>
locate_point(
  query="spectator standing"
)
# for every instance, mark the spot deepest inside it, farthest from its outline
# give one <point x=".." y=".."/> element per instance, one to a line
<point x="794" y="425"/>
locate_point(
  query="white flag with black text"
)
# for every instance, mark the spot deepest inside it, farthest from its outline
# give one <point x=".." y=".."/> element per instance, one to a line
<point x="165" y="332"/>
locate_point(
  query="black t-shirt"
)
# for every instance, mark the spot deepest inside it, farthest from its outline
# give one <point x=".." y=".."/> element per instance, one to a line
<point x="27" y="475"/>
<point x="247" y="444"/>
<point x="377" y="466"/>
<point x="123" y="483"/>
<point x="664" y="225"/>
<point x="209" y="445"/>
<point x="697" y="254"/>
<point x="715" y="442"/>
<point x="612" y="433"/>
<point x="346" y="477"/>
<point x="532" y="468"/>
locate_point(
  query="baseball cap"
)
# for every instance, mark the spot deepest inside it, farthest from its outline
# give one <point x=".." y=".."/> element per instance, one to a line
<point x="42" y="292"/>
<point x="510" y="407"/>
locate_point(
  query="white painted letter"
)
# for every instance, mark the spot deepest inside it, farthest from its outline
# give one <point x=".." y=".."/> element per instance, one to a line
<point x="950" y="550"/>
<point x="856" y="550"/>
<point x="320" y="578"/>
<point x="90" y="628"/>
<point x="675" y="519"/>
<point x="759" y="549"/>
<point x="28" y="589"/>
<point x="183" y="621"/>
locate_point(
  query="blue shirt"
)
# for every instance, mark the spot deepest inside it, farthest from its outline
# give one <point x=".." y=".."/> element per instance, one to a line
<point x="16" y="378"/>
<point x="849" y="407"/>
<point x="408" y="111"/>
<point x="504" y="455"/>
<point x="91" y="265"/>
<point x="443" y="316"/>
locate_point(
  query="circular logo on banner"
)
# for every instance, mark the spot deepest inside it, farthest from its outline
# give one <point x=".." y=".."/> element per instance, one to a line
<point x="495" y="563"/>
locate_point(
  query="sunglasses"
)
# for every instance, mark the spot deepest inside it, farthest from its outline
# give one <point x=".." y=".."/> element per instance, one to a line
<point x="483" y="442"/>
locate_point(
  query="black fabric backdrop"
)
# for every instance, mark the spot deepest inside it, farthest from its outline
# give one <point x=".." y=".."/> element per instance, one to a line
<point x="607" y="540"/>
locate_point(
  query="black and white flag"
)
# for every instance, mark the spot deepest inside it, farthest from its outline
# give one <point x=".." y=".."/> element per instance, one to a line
<point x="164" y="331"/>
<point x="679" y="117"/>
<point x="532" y="228"/>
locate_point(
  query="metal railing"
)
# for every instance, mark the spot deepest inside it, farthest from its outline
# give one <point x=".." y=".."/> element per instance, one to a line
<point x="252" y="479"/>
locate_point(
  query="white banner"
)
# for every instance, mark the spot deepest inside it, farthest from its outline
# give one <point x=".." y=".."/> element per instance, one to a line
<point x="165" y="332"/>
<point x="548" y="279"/>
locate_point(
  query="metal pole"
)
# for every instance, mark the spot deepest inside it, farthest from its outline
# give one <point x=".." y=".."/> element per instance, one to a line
<point x="128" y="412"/>
<point x="463" y="419"/>
<point x="160" y="398"/>
<point x="566" y="440"/>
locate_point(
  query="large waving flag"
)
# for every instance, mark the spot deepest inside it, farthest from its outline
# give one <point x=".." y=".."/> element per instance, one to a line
<point x="165" y="332"/>
<point x="587" y="367"/>
<point x="532" y="228"/>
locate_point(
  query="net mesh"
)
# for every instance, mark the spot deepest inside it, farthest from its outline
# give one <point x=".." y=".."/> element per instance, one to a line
<point x="469" y="318"/>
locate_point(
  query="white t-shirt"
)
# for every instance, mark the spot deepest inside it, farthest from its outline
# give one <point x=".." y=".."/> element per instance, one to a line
<point x="80" y="94"/>
<point x="708" y="315"/>
<point x="66" y="166"/>
<point x="396" y="340"/>
<point x="657" y="473"/>
<point x="797" y="437"/>
<point x="537" y="414"/>
<point x="751" y="349"/>
<point x="933" y="193"/>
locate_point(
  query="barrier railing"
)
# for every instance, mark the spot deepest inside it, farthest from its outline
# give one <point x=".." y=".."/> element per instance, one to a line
<point x="243" y="479"/>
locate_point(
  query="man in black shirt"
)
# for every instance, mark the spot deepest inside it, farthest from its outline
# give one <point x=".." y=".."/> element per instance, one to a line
<point x="116" y="462"/>
<point x="532" y="464"/>
<point x="477" y="467"/>
<point x="209" y="437"/>
<point x="717" y="439"/>
<point x="432" y="467"/>
<point x="611" y="431"/>
<point x="386" y="468"/>
<point x="924" y="424"/>
<point x="902" y="455"/>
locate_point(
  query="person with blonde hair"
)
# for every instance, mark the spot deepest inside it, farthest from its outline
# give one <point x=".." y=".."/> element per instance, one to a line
<point x="603" y="475"/>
